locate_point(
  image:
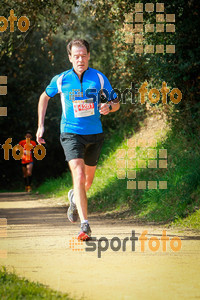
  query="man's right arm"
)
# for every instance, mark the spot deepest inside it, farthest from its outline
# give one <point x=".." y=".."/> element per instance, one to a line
<point x="42" y="107"/>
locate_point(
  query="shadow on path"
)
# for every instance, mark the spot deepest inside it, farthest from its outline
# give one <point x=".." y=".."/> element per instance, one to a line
<point x="52" y="216"/>
<point x="21" y="196"/>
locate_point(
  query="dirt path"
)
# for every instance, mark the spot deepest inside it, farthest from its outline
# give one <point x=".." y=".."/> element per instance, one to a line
<point x="38" y="247"/>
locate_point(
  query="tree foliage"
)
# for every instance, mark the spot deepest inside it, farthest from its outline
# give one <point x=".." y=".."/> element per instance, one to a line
<point x="31" y="59"/>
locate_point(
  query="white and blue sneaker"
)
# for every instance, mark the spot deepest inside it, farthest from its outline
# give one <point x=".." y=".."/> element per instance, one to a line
<point x="72" y="212"/>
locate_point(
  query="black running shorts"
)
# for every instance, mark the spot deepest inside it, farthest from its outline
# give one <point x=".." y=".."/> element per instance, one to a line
<point x="87" y="147"/>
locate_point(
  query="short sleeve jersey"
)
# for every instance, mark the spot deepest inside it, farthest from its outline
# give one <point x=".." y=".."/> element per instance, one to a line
<point x="80" y="100"/>
<point x="27" y="155"/>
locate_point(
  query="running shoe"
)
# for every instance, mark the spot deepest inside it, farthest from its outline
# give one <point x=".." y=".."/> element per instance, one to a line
<point x="85" y="232"/>
<point x="72" y="212"/>
<point x="28" y="188"/>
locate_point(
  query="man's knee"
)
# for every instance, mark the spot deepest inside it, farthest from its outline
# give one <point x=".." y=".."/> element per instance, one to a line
<point x="78" y="175"/>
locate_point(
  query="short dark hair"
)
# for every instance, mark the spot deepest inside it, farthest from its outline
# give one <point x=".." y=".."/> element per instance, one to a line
<point x="28" y="131"/>
<point x="79" y="43"/>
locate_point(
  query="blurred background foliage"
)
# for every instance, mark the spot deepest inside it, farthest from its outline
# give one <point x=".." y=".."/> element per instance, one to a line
<point x="31" y="59"/>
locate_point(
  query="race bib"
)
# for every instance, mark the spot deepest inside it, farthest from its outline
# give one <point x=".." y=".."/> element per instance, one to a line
<point x="83" y="108"/>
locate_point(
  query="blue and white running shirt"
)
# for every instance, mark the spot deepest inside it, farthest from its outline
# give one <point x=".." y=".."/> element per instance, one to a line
<point x="80" y="98"/>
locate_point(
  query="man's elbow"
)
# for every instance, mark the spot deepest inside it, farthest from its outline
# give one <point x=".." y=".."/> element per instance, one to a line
<point x="44" y="97"/>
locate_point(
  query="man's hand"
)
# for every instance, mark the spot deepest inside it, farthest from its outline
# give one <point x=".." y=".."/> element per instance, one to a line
<point x="104" y="109"/>
<point x="39" y="135"/>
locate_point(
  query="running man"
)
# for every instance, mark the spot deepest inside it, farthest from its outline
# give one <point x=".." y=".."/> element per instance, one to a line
<point x="27" y="160"/>
<point x="81" y="129"/>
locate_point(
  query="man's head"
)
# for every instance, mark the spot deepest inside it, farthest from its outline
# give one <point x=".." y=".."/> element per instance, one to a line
<point x="79" y="55"/>
<point x="28" y="134"/>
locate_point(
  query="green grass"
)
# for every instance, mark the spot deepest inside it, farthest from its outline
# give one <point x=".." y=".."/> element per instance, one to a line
<point x="192" y="221"/>
<point x="56" y="187"/>
<point x="13" y="287"/>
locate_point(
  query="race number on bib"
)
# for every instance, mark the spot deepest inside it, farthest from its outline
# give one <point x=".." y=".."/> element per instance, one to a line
<point x="83" y="109"/>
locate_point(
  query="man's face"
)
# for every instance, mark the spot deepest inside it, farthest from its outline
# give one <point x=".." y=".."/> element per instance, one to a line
<point x="28" y="136"/>
<point x="79" y="59"/>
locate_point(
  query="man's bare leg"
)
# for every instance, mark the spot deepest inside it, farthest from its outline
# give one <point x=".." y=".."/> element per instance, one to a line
<point x="24" y="170"/>
<point x="77" y="167"/>
<point x="82" y="176"/>
<point x="89" y="173"/>
<point x="29" y="169"/>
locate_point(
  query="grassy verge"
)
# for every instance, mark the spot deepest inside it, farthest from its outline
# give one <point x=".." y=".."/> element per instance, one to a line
<point x="191" y="222"/>
<point x="178" y="203"/>
<point x="14" y="287"/>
